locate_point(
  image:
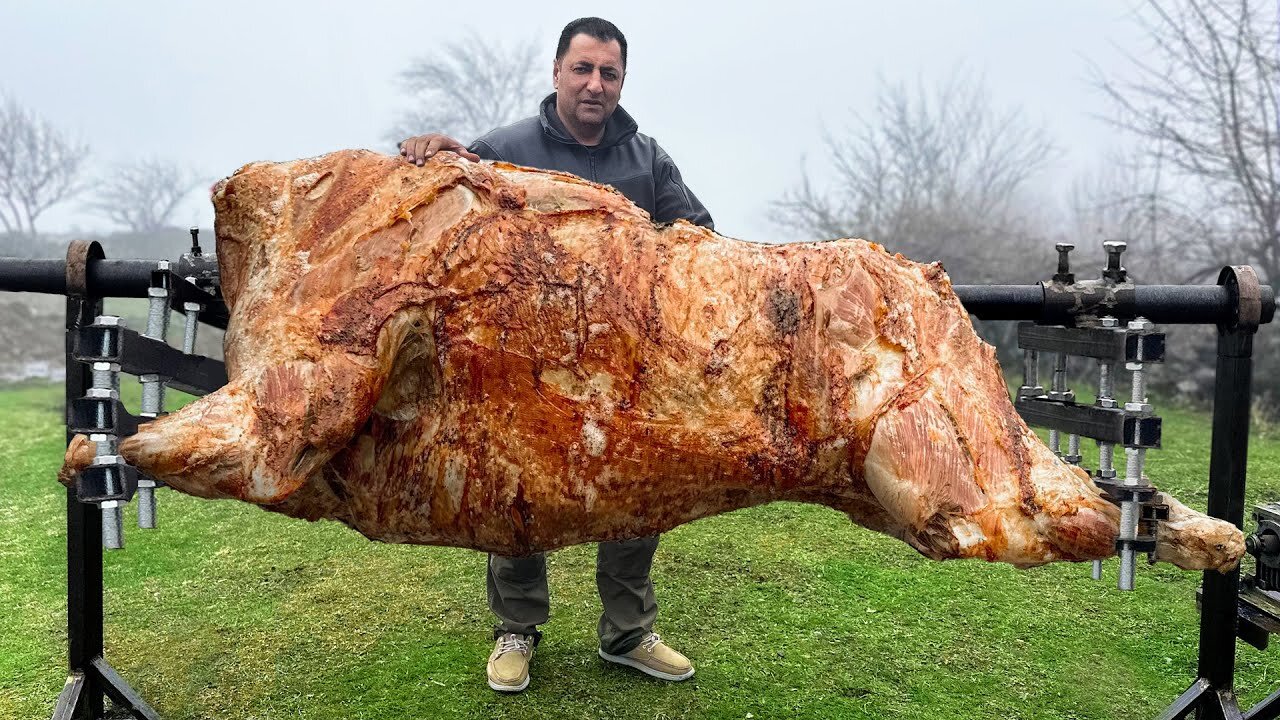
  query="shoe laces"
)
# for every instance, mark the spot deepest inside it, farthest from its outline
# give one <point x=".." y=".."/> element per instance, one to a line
<point x="650" y="642"/>
<point x="513" y="643"/>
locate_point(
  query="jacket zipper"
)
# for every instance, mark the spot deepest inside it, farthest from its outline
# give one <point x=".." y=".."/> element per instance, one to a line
<point x="591" y="157"/>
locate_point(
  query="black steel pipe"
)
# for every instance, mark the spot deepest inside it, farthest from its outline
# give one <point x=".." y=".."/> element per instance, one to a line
<point x="85" y="614"/>
<point x="1169" y="304"/>
<point x="1002" y="302"/>
<point x="1228" y="455"/>
<point x="106" y="278"/>
<point x="1166" y="304"/>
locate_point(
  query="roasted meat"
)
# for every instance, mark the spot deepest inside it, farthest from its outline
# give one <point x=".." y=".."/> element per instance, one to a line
<point x="492" y="357"/>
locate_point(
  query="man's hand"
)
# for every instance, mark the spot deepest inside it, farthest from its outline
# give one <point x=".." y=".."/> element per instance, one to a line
<point x="420" y="148"/>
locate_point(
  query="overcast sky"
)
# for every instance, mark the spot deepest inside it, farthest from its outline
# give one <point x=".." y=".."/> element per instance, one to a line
<point x="737" y="93"/>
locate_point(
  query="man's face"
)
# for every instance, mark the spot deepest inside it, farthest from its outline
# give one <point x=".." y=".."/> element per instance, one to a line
<point x="588" y="80"/>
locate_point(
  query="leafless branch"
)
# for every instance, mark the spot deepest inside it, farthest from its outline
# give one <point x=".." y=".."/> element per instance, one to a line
<point x="933" y="174"/>
<point x="1208" y="104"/>
<point x="39" y="167"/>
<point x="471" y="86"/>
<point x="142" y="196"/>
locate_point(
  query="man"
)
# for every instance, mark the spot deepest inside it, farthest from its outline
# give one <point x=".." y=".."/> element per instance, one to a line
<point x="581" y="130"/>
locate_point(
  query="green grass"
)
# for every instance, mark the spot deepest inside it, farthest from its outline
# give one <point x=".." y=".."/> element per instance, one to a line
<point x="788" y="610"/>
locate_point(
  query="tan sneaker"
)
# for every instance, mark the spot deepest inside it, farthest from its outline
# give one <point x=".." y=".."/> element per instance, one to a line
<point x="509" y="663"/>
<point x="654" y="657"/>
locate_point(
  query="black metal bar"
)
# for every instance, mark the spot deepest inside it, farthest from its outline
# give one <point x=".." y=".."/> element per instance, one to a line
<point x="1115" y="345"/>
<point x="1219" y="705"/>
<point x="69" y="698"/>
<point x="120" y="278"/>
<point x="1168" y="304"/>
<point x="1257" y="617"/>
<point x="114" y="481"/>
<point x="38" y="275"/>
<point x="1228" y="455"/>
<point x="1002" y="302"/>
<point x="1268" y="709"/>
<point x="107" y="278"/>
<point x="141" y="355"/>
<point x="1113" y="425"/>
<point x="84" y="539"/>
<point x="1187" y="701"/>
<point x="193" y="374"/>
<point x="1251" y="629"/>
<point x="1101" y="343"/>
<point x="123" y="695"/>
<point x="1228" y="460"/>
<point x="114" y="278"/>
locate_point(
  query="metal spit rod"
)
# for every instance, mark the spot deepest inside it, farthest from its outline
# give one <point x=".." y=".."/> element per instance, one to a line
<point x="153" y="387"/>
<point x="1106" y="456"/>
<point x="1135" y="459"/>
<point x="1058" y="386"/>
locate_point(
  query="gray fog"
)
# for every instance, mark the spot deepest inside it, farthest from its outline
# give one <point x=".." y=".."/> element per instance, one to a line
<point x="737" y="93"/>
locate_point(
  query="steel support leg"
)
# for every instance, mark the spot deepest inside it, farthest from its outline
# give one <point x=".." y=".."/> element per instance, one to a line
<point x="1268" y="709"/>
<point x="69" y="699"/>
<point x="1228" y="456"/>
<point x="1187" y="701"/>
<point x="84" y="545"/>
<point x="1213" y="694"/>
<point x="124" y="696"/>
<point x="91" y="679"/>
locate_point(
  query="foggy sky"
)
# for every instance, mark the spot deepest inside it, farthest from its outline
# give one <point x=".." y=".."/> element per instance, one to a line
<point x="737" y="94"/>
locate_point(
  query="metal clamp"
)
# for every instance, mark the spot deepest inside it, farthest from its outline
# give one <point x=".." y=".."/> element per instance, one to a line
<point x="109" y="481"/>
<point x="1080" y="319"/>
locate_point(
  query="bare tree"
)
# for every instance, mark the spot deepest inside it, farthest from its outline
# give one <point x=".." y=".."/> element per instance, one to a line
<point x="39" y="167"/>
<point x="1126" y="200"/>
<point x="471" y="86"/>
<point x="141" y="196"/>
<point x="1207" y="105"/>
<point x="934" y="175"/>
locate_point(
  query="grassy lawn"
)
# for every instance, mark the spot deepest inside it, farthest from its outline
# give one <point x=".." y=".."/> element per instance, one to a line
<point x="788" y="610"/>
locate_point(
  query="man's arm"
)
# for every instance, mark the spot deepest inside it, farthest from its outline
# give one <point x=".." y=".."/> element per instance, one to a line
<point x="484" y="150"/>
<point x="673" y="200"/>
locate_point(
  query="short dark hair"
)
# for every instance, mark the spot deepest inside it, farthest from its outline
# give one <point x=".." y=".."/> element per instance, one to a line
<point x="598" y="28"/>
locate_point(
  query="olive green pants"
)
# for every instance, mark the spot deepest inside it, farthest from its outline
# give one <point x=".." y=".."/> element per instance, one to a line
<point x="518" y="593"/>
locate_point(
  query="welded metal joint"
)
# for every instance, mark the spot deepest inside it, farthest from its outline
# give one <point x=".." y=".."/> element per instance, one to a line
<point x="1064" y="276"/>
<point x="1114" y="271"/>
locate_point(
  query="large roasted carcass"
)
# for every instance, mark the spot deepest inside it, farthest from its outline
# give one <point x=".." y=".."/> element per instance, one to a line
<point x="492" y="357"/>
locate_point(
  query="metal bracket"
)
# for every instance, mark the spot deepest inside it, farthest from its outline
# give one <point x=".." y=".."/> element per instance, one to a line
<point x="140" y="355"/>
<point x="1115" y="345"/>
<point x="1111" y="425"/>
<point x="92" y="415"/>
<point x="108" y="478"/>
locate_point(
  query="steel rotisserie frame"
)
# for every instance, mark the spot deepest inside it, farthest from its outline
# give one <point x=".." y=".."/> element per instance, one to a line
<point x="1237" y="305"/>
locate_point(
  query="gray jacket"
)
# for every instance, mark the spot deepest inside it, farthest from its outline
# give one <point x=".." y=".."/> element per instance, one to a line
<point x="630" y="161"/>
